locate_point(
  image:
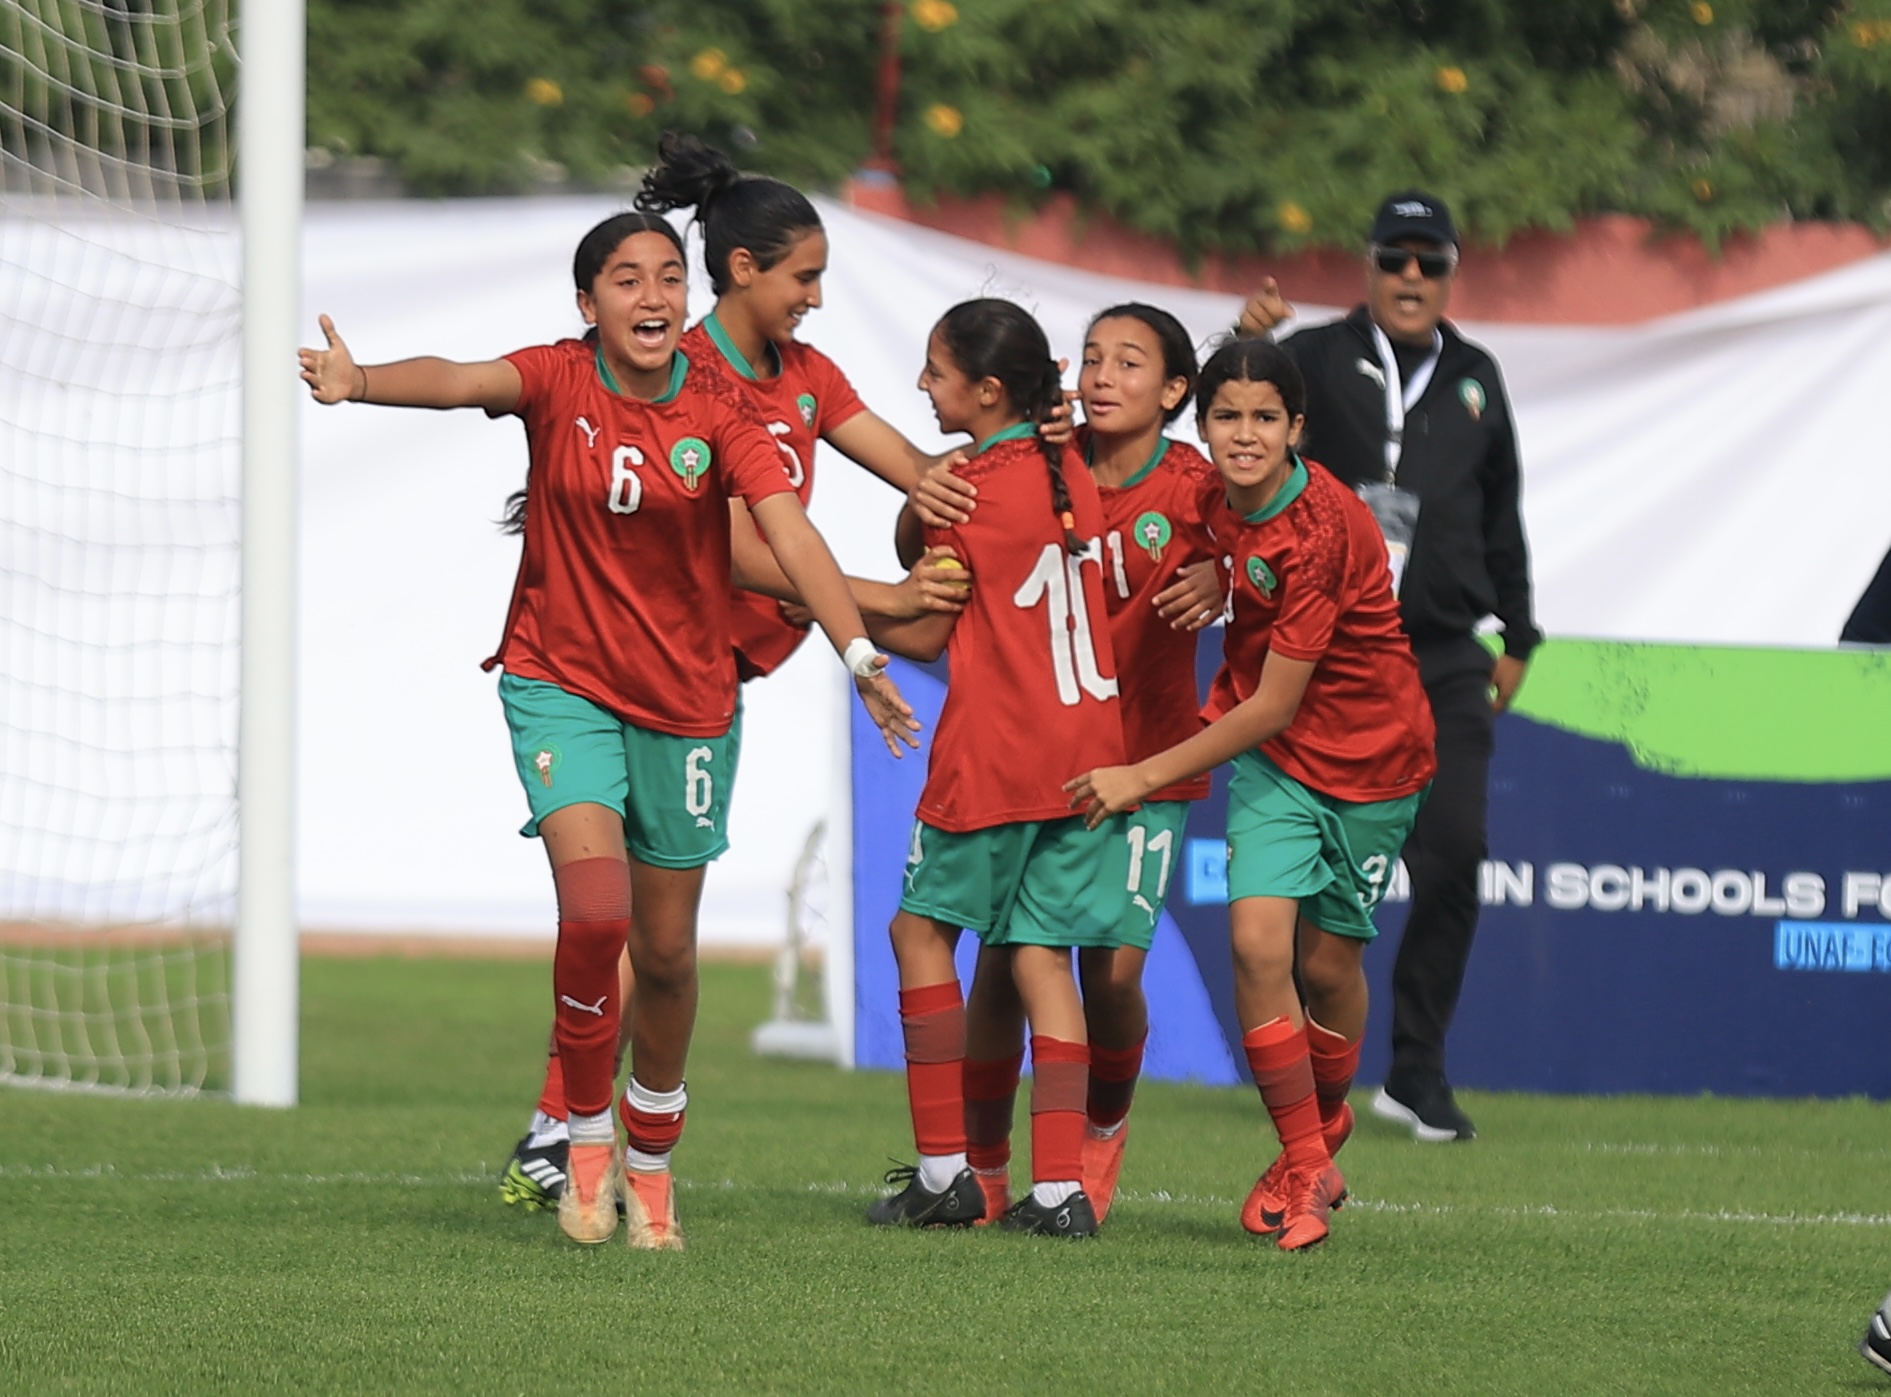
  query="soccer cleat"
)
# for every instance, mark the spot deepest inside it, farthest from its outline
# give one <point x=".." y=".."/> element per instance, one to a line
<point x="1876" y="1345"/>
<point x="535" y="1175"/>
<point x="1102" y="1162"/>
<point x="1312" y="1194"/>
<point x="1074" y="1217"/>
<point x="960" y="1205"/>
<point x="1423" y="1101"/>
<point x="649" y="1203"/>
<point x="1267" y="1201"/>
<point x="587" y="1209"/>
<point x="996" y="1185"/>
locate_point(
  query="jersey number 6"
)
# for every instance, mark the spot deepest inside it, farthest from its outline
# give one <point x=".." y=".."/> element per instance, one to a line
<point x="626" y="495"/>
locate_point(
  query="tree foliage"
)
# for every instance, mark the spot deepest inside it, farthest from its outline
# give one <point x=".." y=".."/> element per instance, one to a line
<point x="1218" y="124"/>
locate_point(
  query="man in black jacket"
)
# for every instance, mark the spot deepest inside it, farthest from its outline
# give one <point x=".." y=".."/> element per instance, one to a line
<point x="1404" y="409"/>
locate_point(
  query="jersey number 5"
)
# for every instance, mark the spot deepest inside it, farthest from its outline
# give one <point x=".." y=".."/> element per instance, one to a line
<point x="626" y="495"/>
<point x="1057" y="581"/>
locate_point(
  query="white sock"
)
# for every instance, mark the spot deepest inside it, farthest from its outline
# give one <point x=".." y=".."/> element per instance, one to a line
<point x="593" y="1130"/>
<point x="1050" y="1195"/>
<point x="1104" y="1132"/>
<point x="546" y="1130"/>
<point x="937" y="1171"/>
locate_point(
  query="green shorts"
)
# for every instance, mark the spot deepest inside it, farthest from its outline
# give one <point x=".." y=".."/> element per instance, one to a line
<point x="1151" y="843"/>
<point x="1035" y="883"/>
<point x="673" y="792"/>
<point x="1335" y="857"/>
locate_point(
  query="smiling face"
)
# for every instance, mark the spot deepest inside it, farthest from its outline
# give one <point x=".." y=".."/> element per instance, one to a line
<point x="1121" y="385"/>
<point x="1407" y="304"/>
<point x="777" y="299"/>
<point x="959" y="402"/>
<point x="638" y="304"/>
<point x="1251" y="439"/>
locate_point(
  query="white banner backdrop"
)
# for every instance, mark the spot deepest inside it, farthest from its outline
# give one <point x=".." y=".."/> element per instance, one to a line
<point x="1717" y="476"/>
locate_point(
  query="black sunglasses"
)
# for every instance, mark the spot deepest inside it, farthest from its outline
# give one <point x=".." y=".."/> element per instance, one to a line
<point x="1431" y="265"/>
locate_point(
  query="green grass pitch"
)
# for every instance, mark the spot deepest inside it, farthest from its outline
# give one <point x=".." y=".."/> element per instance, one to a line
<point x="357" y="1244"/>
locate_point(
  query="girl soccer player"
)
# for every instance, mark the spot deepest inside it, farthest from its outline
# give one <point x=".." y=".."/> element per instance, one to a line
<point x="1138" y="372"/>
<point x="766" y="252"/>
<point x="619" y="687"/>
<point x="994" y="846"/>
<point x="1319" y="706"/>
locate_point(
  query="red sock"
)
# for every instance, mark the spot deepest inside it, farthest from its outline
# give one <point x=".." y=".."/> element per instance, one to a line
<point x="932" y="1018"/>
<point x="1060" y="1072"/>
<point x="991" y="1098"/>
<point x="1334" y="1062"/>
<point x="593" y="922"/>
<point x="646" y="1130"/>
<point x="1277" y="1056"/>
<point x="551" y="1096"/>
<point x="1113" y="1073"/>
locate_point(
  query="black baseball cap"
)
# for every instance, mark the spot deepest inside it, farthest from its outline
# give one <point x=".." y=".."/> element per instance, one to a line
<point x="1414" y="214"/>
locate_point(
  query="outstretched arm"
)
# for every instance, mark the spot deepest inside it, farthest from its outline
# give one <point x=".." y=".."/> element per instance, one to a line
<point x="333" y="376"/>
<point x="814" y="574"/>
<point x="1257" y="719"/>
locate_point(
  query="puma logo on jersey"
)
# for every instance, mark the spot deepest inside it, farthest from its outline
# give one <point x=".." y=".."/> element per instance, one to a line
<point x="704" y="822"/>
<point x="1144" y="903"/>
<point x="597" y="1008"/>
<point x="1371" y="371"/>
<point x="590" y="432"/>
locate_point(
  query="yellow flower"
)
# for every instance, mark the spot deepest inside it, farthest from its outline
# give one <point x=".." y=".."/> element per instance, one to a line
<point x="1869" y="33"/>
<point x="708" y="64"/>
<point x="1703" y="190"/>
<point x="1702" y="12"/>
<point x="545" y="92"/>
<point x="732" y="81"/>
<point x="639" y="104"/>
<point x="934" y="15"/>
<point x="1293" y="218"/>
<point x="1452" y="80"/>
<point x="944" y="121"/>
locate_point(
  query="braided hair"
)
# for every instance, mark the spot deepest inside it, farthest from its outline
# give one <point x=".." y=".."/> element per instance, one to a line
<point x="587" y="264"/>
<point x="990" y="338"/>
<point x="733" y="209"/>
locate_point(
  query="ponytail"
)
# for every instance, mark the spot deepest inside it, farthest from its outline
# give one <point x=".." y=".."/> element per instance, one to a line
<point x="990" y="338"/>
<point x="734" y="210"/>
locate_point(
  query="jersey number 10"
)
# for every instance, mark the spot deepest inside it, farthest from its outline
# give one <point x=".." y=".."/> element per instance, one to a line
<point x="1057" y="581"/>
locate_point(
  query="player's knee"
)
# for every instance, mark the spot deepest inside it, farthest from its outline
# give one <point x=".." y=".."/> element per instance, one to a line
<point x="666" y="966"/>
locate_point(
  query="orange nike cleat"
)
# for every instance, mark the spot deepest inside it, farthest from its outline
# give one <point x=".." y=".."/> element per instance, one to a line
<point x="1102" y="1162"/>
<point x="1312" y="1194"/>
<point x="650" y="1211"/>
<point x="587" y="1209"/>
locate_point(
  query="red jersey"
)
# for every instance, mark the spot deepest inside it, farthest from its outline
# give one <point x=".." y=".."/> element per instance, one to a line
<point x="800" y="405"/>
<point x="1032" y="696"/>
<point x="1311" y="581"/>
<point x="623" y="589"/>
<point x="1153" y="529"/>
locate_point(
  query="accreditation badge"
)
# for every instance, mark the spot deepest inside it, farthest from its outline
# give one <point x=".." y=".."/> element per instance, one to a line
<point x="1397" y="513"/>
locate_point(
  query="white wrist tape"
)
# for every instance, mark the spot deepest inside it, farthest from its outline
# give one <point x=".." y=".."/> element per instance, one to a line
<point x="859" y="657"/>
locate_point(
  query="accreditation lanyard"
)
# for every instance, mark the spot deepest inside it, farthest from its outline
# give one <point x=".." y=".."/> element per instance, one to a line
<point x="1400" y="400"/>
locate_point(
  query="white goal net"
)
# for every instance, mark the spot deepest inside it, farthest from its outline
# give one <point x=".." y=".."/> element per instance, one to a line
<point x="120" y="424"/>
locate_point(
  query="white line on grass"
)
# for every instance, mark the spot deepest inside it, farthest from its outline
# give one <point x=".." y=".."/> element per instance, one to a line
<point x="218" y="1174"/>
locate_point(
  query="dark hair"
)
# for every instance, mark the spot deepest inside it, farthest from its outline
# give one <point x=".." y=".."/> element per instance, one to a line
<point x="587" y="264"/>
<point x="733" y="209"/>
<point x="1251" y="361"/>
<point x="990" y="338"/>
<point x="1178" y="350"/>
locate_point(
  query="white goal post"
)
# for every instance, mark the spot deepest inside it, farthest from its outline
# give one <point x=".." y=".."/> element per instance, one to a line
<point x="149" y="292"/>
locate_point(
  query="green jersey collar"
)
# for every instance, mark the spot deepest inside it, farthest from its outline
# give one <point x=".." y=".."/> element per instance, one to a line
<point x="719" y="337"/>
<point x="1017" y="431"/>
<point x="1142" y="472"/>
<point x="679" y="367"/>
<point x="1286" y="495"/>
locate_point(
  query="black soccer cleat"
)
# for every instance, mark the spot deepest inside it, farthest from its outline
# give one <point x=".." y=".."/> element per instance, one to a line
<point x="535" y="1175"/>
<point x="1876" y="1345"/>
<point x="960" y="1205"/>
<point x="1074" y="1217"/>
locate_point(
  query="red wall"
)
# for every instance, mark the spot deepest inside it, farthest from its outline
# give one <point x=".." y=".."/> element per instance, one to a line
<point x="1613" y="270"/>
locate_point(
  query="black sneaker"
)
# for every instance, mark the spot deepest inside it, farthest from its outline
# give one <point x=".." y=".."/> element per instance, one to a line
<point x="1074" y="1217"/>
<point x="1876" y="1345"/>
<point x="535" y="1175"/>
<point x="1423" y="1101"/>
<point x="960" y="1205"/>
